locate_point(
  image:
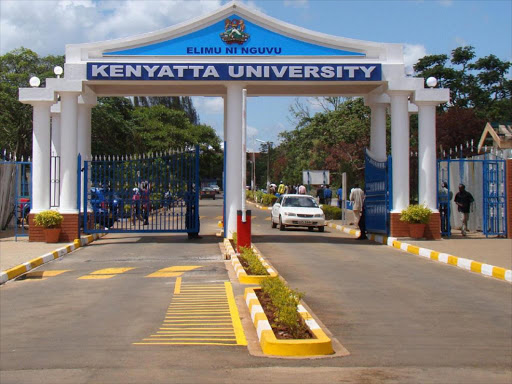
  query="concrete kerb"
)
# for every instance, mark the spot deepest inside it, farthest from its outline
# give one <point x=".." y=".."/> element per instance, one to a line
<point x="270" y="345"/>
<point x="241" y="274"/>
<point x="322" y="345"/>
<point x="14" y="272"/>
<point x="460" y="262"/>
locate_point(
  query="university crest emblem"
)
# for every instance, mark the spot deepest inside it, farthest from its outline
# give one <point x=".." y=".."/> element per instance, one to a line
<point x="234" y="32"/>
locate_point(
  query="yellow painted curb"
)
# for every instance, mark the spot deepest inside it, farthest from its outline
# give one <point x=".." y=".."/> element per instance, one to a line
<point x="14" y="272"/>
<point x="270" y="345"/>
<point x="241" y="274"/>
<point x="466" y="264"/>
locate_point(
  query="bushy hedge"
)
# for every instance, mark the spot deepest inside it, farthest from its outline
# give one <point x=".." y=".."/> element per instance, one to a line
<point x="331" y="212"/>
<point x="261" y="197"/>
<point x="285" y="301"/>
<point x="255" y="265"/>
<point x="268" y="200"/>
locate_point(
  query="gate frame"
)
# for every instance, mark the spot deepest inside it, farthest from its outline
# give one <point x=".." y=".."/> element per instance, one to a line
<point x="388" y="192"/>
<point x="485" y="199"/>
<point x="84" y="192"/>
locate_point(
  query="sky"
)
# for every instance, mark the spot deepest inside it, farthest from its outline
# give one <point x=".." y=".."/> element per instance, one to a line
<point x="423" y="26"/>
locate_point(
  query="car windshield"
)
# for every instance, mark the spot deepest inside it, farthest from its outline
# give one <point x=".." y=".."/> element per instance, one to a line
<point x="300" y="201"/>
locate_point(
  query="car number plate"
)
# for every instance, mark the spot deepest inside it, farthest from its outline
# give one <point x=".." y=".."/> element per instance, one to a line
<point x="307" y="222"/>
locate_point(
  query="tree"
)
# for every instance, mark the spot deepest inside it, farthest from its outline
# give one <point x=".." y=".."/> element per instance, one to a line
<point x="480" y="84"/>
<point x="16" y="68"/>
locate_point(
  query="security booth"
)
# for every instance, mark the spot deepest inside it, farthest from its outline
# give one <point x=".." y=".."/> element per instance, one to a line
<point x="232" y="52"/>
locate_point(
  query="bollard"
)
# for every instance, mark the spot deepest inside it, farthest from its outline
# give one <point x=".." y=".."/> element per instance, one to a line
<point x="243" y="230"/>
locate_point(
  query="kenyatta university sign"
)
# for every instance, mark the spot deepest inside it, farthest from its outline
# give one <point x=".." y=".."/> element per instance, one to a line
<point x="252" y="72"/>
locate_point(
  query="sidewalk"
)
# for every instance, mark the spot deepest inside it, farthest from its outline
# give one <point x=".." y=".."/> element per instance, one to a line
<point x="475" y="246"/>
<point x="13" y="253"/>
<point x="18" y="257"/>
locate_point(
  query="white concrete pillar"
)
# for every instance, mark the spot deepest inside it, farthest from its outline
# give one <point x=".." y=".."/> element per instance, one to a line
<point x="400" y="148"/>
<point x="84" y="138"/>
<point x="55" y="132"/>
<point x="55" y="153"/>
<point x="233" y="199"/>
<point x="427" y="162"/>
<point x="68" y="161"/>
<point x="41" y="156"/>
<point x="378" y="130"/>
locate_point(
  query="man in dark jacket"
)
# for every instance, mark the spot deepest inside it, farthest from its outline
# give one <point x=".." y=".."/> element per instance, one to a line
<point x="320" y="195"/>
<point x="463" y="199"/>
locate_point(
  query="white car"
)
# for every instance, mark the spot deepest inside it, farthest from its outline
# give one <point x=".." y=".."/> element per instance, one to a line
<point x="215" y="187"/>
<point x="297" y="211"/>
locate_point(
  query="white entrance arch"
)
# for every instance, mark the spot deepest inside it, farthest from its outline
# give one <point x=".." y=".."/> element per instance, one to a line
<point x="232" y="49"/>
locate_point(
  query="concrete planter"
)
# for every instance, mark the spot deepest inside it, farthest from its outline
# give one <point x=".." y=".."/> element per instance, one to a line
<point x="416" y="230"/>
<point x="270" y="345"/>
<point x="51" y="235"/>
<point x="241" y="274"/>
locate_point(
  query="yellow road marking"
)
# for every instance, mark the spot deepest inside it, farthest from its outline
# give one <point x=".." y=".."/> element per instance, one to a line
<point x="177" y="286"/>
<point x="182" y="343"/>
<point x="95" y="277"/>
<point x="111" y="271"/>
<point x="173" y="271"/>
<point x="237" y="324"/>
<point x="200" y="314"/>
<point x="41" y="275"/>
<point x="180" y="328"/>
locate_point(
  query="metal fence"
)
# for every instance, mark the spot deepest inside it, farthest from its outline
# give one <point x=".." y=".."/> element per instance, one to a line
<point x="484" y="177"/>
<point x="15" y="193"/>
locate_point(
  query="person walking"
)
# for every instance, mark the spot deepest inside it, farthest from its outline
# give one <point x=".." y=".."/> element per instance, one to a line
<point x="327" y="195"/>
<point x="340" y="196"/>
<point x="445" y="196"/>
<point x="357" y="198"/>
<point x="320" y="194"/>
<point x="281" y="189"/>
<point x="463" y="199"/>
<point x="362" y="225"/>
<point x="302" y="190"/>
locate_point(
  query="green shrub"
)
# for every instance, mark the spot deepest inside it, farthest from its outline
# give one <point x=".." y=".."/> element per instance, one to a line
<point x="331" y="212"/>
<point x="235" y="240"/>
<point x="249" y="195"/>
<point x="416" y="214"/>
<point x="258" y="196"/>
<point x="255" y="265"/>
<point x="268" y="199"/>
<point x="48" y="219"/>
<point x="285" y="301"/>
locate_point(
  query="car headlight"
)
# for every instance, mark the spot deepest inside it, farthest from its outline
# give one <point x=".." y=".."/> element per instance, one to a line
<point x="319" y="215"/>
<point x="289" y="214"/>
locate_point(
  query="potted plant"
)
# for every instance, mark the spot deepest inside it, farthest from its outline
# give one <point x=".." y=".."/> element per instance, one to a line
<point x="50" y="221"/>
<point x="418" y="217"/>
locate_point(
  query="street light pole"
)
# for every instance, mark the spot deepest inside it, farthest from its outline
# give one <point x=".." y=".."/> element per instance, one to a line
<point x="269" y="147"/>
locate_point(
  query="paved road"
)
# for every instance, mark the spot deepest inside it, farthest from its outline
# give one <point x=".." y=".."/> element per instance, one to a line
<point x="403" y="319"/>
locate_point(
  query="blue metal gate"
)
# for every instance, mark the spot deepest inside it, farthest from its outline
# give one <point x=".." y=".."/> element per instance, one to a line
<point x="377" y="176"/>
<point x="157" y="193"/>
<point x="487" y="178"/>
<point x="495" y="210"/>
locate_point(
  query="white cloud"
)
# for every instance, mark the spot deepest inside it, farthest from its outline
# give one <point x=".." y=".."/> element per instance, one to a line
<point x="296" y="3"/>
<point x="446" y="3"/>
<point x="210" y="105"/>
<point x="47" y="26"/>
<point x="412" y="53"/>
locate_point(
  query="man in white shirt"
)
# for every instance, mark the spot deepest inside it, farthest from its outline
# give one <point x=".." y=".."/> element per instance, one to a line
<point x="357" y="198"/>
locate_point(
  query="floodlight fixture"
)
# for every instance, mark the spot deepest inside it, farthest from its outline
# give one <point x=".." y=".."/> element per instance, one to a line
<point x="431" y="82"/>
<point x="34" y="82"/>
